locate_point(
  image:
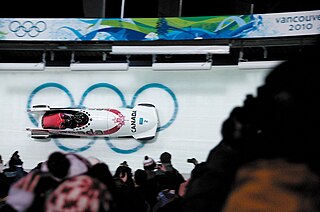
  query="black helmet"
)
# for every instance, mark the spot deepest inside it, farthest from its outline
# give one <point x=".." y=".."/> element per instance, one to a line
<point x="80" y="118"/>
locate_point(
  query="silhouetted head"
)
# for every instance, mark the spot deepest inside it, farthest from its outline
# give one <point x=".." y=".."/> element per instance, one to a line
<point x="165" y="157"/>
<point x="58" y="164"/>
<point x="283" y="120"/>
<point x="140" y="177"/>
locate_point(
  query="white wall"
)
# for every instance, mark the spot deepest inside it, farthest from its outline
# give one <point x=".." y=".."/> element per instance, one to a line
<point x="191" y="105"/>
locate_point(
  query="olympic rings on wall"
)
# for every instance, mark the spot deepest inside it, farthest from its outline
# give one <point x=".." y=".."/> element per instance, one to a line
<point x="124" y="104"/>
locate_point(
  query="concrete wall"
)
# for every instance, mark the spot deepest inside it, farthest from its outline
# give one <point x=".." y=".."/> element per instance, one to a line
<point x="191" y="105"/>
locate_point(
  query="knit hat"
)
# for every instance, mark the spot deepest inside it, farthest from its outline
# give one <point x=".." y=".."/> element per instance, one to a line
<point x="148" y="163"/>
<point x="165" y="157"/>
<point x="80" y="193"/>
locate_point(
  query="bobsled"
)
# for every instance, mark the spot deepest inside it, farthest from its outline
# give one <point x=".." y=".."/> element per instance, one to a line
<point x="139" y="122"/>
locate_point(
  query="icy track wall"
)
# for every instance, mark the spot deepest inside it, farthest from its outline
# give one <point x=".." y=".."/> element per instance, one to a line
<point x="191" y="106"/>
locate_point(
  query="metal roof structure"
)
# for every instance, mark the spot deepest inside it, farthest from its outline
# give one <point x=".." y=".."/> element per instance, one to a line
<point x="61" y="53"/>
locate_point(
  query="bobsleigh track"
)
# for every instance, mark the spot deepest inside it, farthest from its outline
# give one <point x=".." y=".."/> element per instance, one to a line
<point x="191" y="107"/>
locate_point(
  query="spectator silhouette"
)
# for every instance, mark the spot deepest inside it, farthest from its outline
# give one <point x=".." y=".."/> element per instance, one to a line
<point x="4" y="189"/>
<point x="101" y="171"/>
<point x="80" y="193"/>
<point x="1" y="164"/>
<point x="167" y="173"/>
<point x="169" y="180"/>
<point x="126" y="196"/>
<point x="65" y="180"/>
<point x="142" y="189"/>
<point x="149" y="166"/>
<point x="15" y="170"/>
<point x="65" y="165"/>
<point x="29" y="193"/>
<point x="4" y="185"/>
<point x="279" y="151"/>
<point x="268" y="157"/>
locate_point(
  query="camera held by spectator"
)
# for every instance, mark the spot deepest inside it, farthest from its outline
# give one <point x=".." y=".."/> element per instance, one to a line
<point x="192" y="160"/>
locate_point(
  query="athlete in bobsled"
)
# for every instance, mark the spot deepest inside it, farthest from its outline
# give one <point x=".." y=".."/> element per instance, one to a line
<point x="64" y="120"/>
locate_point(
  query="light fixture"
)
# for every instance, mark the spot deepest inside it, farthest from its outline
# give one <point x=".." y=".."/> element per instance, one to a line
<point x="136" y="50"/>
<point x="123" y="2"/>
<point x="99" y="66"/>
<point x="254" y="65"/>
<point x="22" y="66"/>
<point x="181" y="66"/>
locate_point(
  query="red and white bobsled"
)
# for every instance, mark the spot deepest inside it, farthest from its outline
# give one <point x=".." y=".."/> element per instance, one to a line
<point x="139" y="122"/>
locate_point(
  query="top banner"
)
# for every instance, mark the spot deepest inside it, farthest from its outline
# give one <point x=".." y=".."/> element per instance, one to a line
<point x="151" y="29"/>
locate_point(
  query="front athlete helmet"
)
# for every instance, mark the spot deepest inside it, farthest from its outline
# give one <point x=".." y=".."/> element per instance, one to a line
<point x="80" y="118"/>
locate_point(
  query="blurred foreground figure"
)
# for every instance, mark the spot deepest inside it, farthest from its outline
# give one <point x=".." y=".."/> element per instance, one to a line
<point x="65" y="182"/>
<point x="268" y="159"/>
<point x="79" y="193"/>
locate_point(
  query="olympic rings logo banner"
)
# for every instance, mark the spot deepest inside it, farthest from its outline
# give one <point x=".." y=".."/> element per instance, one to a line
<point x="27" y="28"/>
<point x="124" y="104"/>
<point x="172" y="28"/>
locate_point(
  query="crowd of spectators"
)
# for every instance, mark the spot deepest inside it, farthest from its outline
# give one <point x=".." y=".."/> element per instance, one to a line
<point x="71" y="182"/>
